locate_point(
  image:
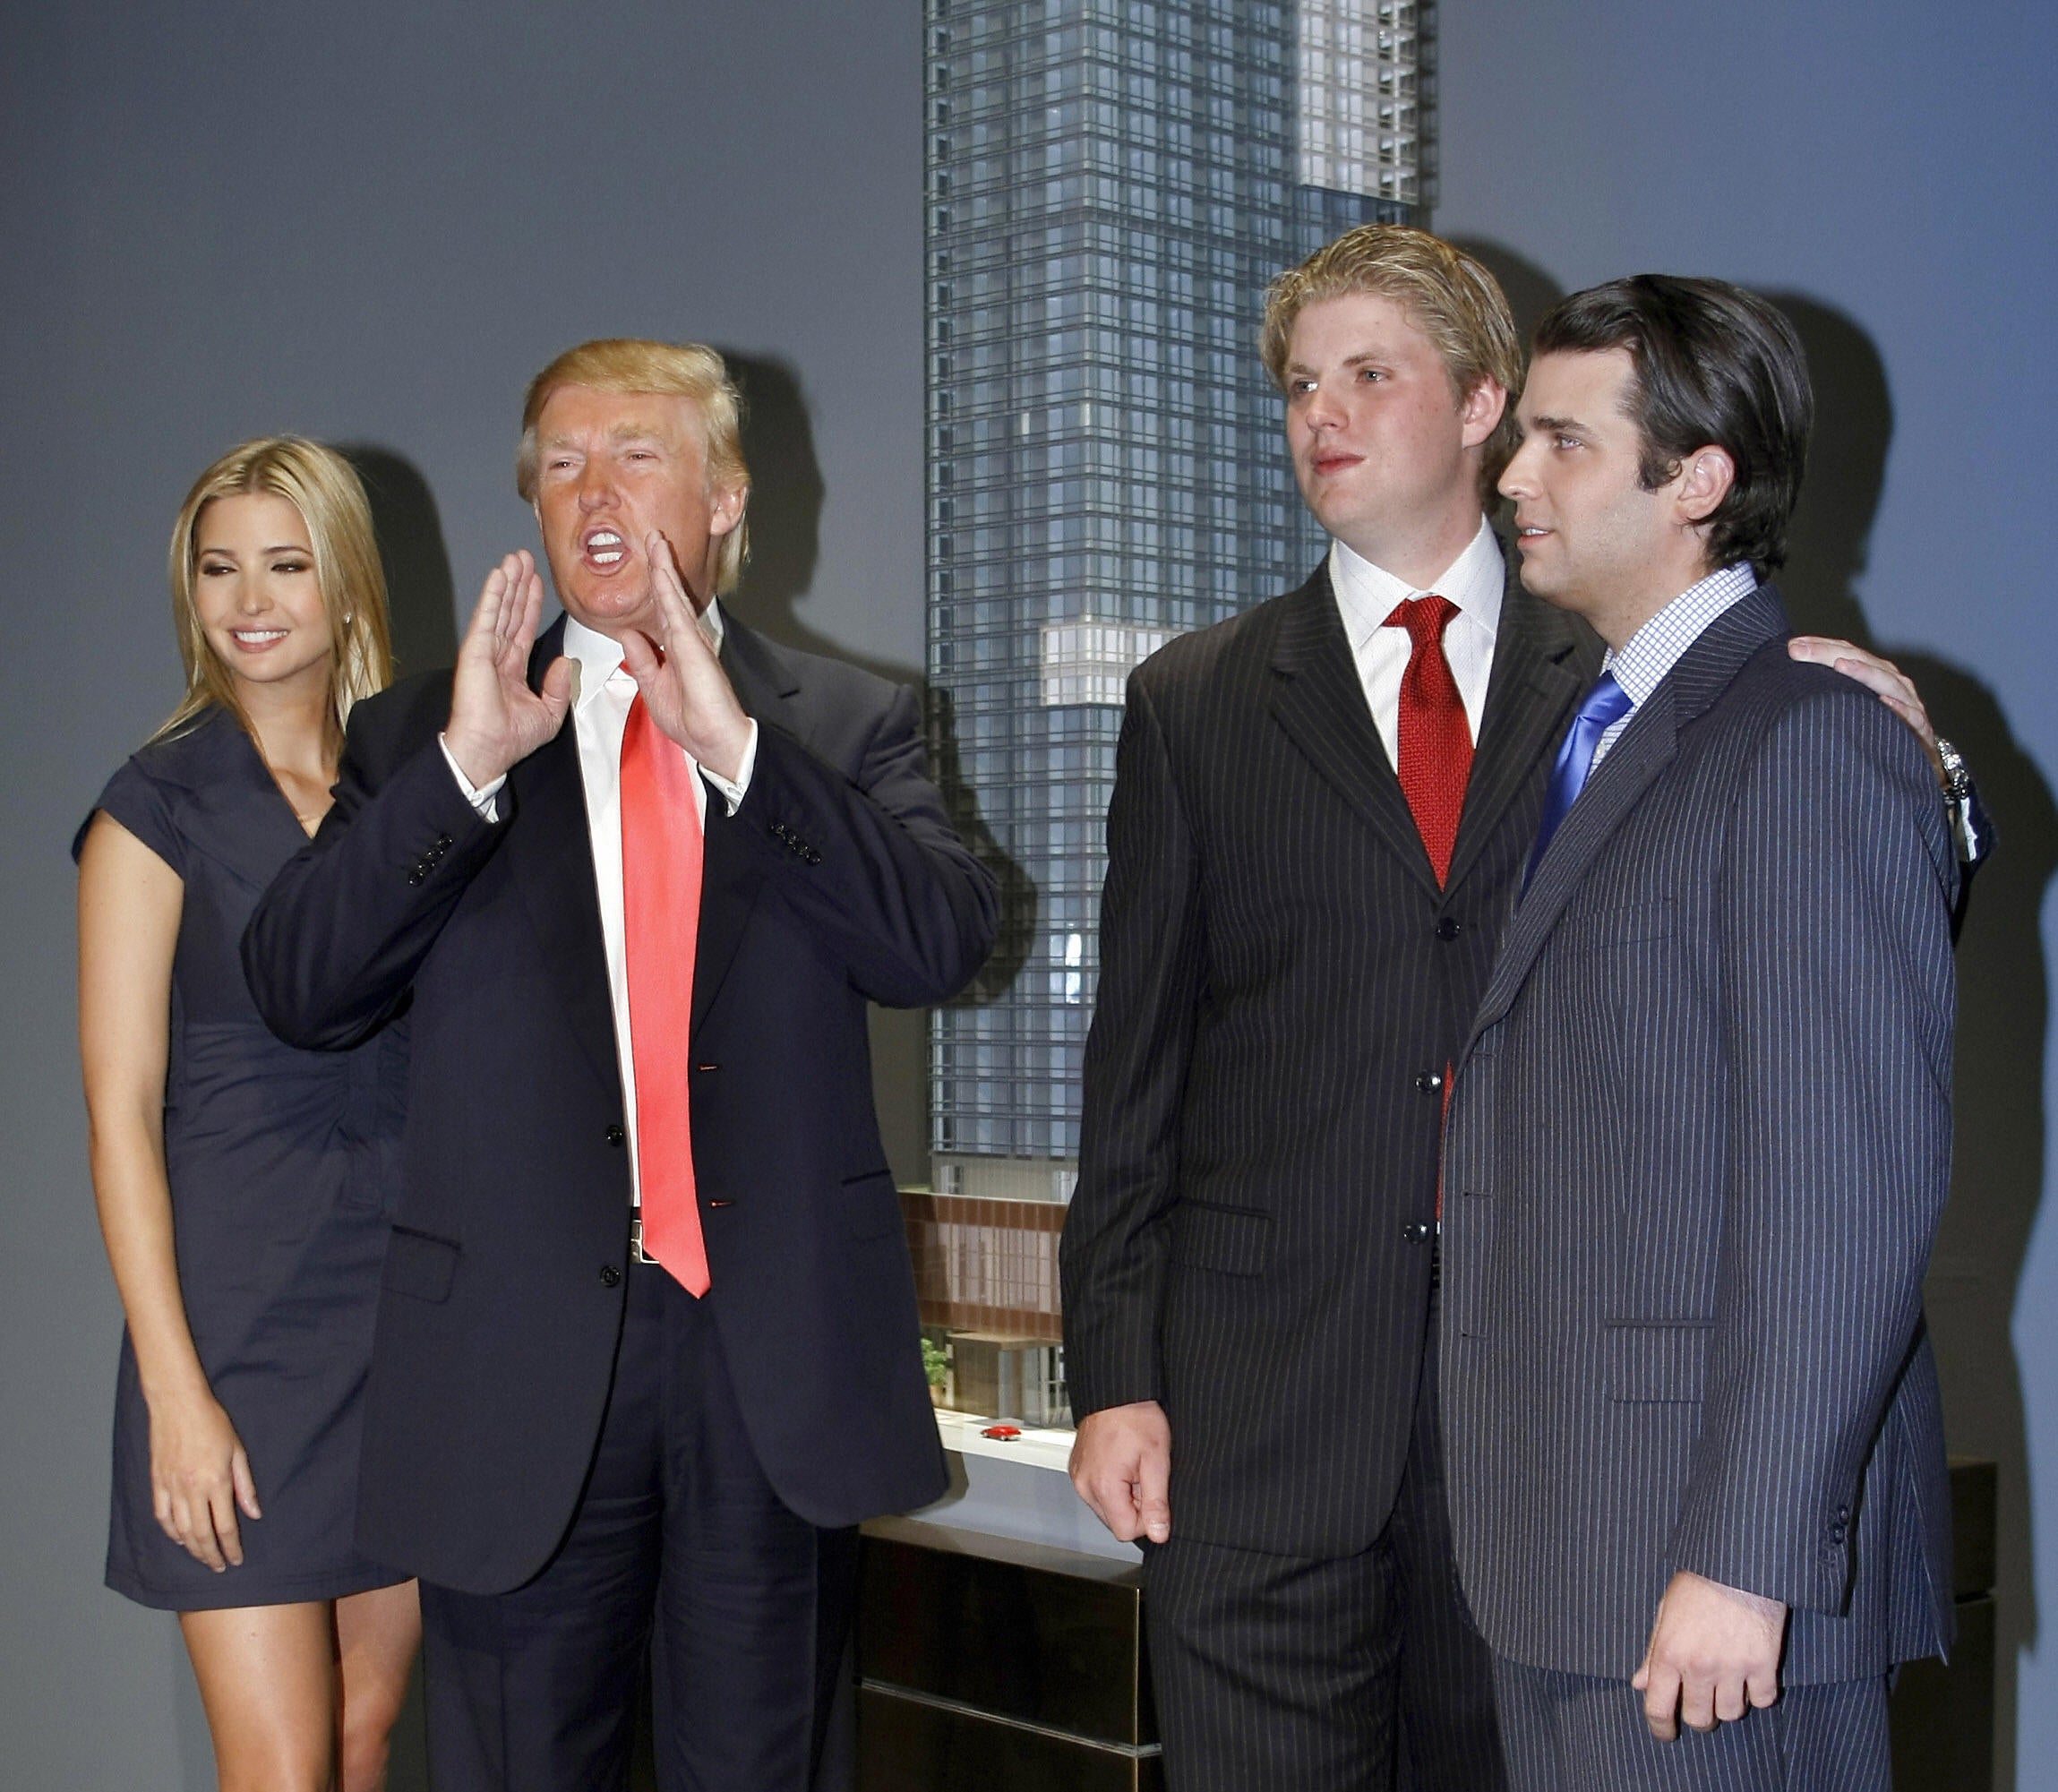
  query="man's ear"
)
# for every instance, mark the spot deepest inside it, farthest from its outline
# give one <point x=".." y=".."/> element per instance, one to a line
<point x="1480" y="411"/>
<point x="725" y="509"/>
<point x="1702" y="481"/>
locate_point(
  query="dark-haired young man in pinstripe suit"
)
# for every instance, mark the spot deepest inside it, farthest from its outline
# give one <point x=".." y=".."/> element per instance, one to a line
<point x="1701" y="1134"/>
<point x="1309" y="864"/>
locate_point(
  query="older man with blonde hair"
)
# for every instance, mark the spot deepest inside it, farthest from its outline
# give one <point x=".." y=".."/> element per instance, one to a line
<point x="647" y="1348"/>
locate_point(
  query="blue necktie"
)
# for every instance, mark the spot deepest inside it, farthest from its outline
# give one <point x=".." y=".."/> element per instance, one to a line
<point x="1604" y="705"/>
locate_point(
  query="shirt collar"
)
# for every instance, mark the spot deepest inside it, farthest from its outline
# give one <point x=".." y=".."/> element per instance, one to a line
<point x="598" y="656"/>
<point x="1367" y="594"/>
<point x="1641" y="663"/>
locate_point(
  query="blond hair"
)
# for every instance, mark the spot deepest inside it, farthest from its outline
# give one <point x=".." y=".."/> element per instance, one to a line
<point x="680" y="370"/>
<point x="325" y="489"/>
<point x="1449" y="297"/>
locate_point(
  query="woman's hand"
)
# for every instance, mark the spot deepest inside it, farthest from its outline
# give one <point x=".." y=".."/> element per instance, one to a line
<point x="200" y="1476"/>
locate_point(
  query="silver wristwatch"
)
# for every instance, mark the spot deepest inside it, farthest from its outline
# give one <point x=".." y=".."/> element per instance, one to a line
<point x="1957" y="773"/>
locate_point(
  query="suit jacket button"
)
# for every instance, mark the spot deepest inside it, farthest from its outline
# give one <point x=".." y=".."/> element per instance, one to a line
<point x="1416" y="1231"/>
<point x="1429" y="1082"/>
<point x="610" y="1276"/>
<point x="1450" y="927"/>
<point x="615" y="1136"/>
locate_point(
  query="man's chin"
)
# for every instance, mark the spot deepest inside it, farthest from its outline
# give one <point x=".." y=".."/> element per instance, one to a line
<point x="610" y="610"/>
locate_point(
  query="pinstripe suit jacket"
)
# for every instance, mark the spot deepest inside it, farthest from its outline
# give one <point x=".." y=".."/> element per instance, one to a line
<point x="1698" y="1146"/>
<point x="1249" y="1243"/>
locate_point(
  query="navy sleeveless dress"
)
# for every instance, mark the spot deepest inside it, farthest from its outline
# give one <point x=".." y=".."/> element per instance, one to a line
<point x="282" y="1165"/>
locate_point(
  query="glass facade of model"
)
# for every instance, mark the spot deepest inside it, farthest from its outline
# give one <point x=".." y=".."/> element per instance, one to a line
<point x="1109" y="185"/>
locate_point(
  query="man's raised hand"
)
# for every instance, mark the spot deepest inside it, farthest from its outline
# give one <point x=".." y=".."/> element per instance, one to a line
<point x="495" y="718"/>
<point x="687" y="692"/>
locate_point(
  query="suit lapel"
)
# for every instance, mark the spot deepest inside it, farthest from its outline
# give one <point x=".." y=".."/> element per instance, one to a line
<point x="1319" y="699"/>
<point x="1647" y="746"/>
<point x="765" y="686"/>
<point x="550" y="858"/>
<point x="1538" y="674"/>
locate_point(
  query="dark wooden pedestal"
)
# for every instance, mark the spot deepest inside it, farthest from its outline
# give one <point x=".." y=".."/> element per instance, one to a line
<point x="1004" y="1666"/>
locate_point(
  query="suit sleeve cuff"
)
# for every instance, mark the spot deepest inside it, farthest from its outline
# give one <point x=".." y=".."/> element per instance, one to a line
<point x="733" y="790"/>
<point x="481" y="798"/>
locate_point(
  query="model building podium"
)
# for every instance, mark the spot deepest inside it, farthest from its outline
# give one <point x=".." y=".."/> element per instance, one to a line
<point x="986" y="1276"/>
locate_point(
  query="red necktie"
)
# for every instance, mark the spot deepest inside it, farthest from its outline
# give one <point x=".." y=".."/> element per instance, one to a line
<point x="661" y="848"/>
<point x="1435" y="742"/>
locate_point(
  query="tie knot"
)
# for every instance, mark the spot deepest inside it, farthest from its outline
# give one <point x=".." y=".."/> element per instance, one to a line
<point x="1606" y="703"/>
<point x="1423" y="617"/>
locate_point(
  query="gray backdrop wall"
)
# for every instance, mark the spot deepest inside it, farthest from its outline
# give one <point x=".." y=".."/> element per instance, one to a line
<point x="371" y="223"/>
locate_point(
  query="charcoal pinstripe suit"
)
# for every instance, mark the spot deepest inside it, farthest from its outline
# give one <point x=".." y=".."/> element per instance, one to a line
<point x="1698" y="1146"/>
<point x="1250" y="1243"/>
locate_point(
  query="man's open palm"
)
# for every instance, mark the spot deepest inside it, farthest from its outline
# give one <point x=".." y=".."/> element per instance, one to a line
<point x="495" y="718"/>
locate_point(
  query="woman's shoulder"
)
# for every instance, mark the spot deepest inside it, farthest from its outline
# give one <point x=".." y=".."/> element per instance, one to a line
<point x="191" y="755"/>
<point x="153" y="786"/>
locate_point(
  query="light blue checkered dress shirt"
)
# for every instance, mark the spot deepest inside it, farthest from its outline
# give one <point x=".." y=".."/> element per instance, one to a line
<point x="1640" y="662"/>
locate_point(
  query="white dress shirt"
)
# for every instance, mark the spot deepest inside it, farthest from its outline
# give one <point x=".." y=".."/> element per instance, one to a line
<point x="1642" y="662"/>
<point x="602" y="693"/>
<point x="1366" y="596"/>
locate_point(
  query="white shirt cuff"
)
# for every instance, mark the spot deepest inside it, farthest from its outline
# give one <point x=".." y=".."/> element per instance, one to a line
<point x="483" y="799"/>
<point x="733" y="790"/>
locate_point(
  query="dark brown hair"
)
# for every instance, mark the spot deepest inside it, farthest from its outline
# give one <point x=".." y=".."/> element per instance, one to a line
<point x="1714" y="365"/>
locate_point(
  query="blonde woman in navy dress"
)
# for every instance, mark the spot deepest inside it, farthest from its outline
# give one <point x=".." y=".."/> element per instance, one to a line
<point x="241" y="1184"/>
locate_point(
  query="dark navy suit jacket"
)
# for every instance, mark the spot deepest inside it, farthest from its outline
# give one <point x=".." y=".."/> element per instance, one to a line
<point x="1697" y="1149"/>
<point x="839" y="879"/>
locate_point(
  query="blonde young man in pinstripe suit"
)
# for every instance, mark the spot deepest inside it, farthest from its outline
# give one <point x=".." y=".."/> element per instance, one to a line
<point x="1701" y="1134"/>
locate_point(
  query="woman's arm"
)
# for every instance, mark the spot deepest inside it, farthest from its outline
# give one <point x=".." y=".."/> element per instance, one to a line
<point x="129" y="905"/>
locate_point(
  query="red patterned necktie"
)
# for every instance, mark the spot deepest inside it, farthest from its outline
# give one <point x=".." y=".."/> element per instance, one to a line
<point x="1435" y="754"/>
<point x="661" y="847"/>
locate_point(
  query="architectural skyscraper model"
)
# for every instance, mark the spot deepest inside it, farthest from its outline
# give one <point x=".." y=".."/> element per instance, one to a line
<point x="1109" y="185"/>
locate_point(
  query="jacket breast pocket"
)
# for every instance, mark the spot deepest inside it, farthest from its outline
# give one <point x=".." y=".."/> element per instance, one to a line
<point x="871" y="1205"/>
<point x="1232" y="1240"/>
<point x="420" y="1264"/>
<point x="1656" y="1363"/>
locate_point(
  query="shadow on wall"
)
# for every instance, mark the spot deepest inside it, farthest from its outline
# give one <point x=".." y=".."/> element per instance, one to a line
<point x="786" y="496"/>
<point x="420" y="600"/>
<point x="1997" y="1176"/>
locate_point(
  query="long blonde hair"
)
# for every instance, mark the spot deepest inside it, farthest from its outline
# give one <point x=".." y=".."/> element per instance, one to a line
<point x="325" y="489"/>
